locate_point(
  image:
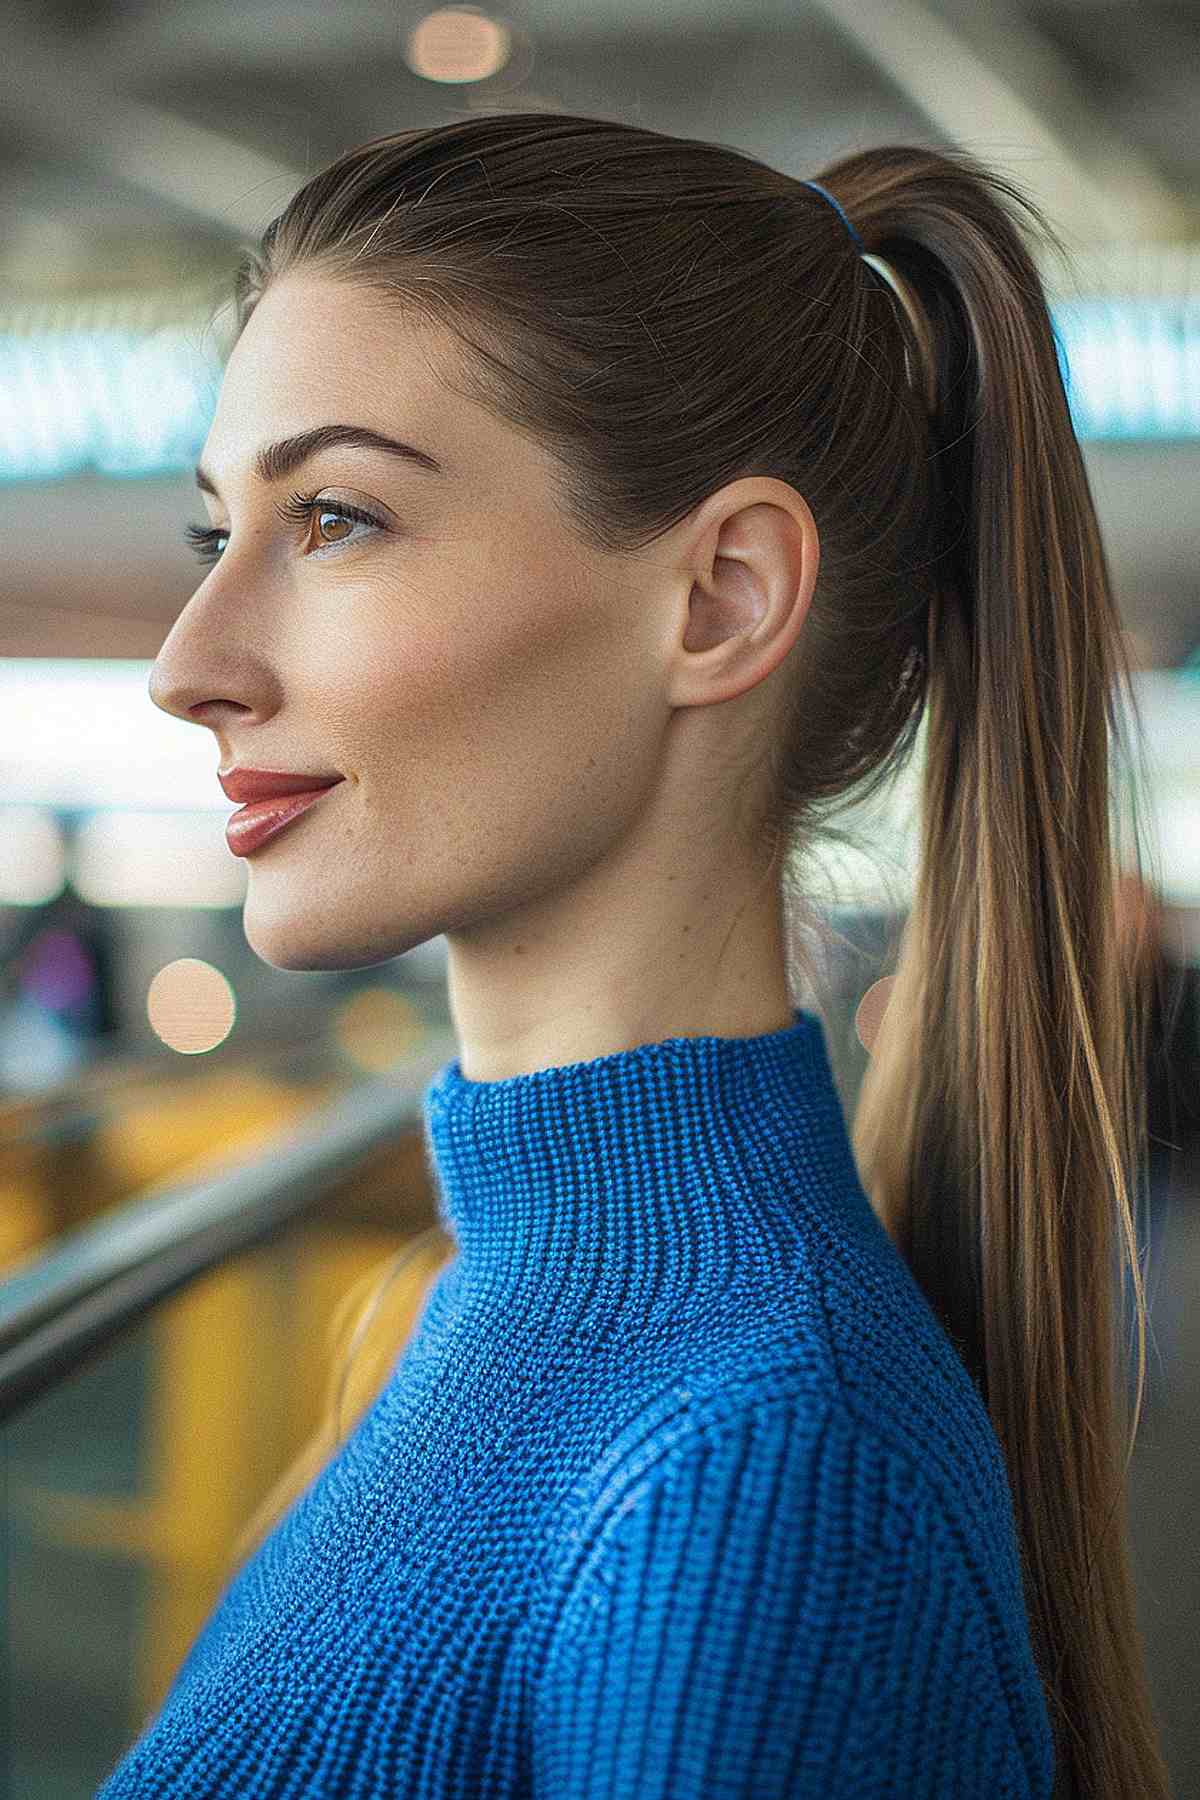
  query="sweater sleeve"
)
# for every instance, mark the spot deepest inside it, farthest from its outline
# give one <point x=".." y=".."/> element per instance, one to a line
<point x="776" y="1610"/>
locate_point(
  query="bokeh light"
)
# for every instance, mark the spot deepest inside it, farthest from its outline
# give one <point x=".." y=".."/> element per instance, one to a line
<point x="191" y="1006"/>
<point x="458" y="43"/>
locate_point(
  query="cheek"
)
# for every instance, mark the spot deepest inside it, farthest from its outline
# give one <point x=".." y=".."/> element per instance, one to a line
<point x="516" y="722"/>
<point x="496" y="659"/>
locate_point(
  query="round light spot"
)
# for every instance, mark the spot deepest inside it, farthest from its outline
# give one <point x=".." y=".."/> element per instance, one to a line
<point x="191" y="1006"/>
<point x="458" y="43"/>
<point x="868" y="1016"/>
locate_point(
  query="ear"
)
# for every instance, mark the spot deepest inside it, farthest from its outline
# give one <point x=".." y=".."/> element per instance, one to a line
<point x="752" y="552"/>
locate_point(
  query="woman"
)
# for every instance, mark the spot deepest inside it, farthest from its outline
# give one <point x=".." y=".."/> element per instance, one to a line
<point x="703" y="1472"/>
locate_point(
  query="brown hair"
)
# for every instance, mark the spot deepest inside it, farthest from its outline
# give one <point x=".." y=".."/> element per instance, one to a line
<point x="668" y="315"/>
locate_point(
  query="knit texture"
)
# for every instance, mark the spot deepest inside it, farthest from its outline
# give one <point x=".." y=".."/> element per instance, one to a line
<point x="677" y="1490"/>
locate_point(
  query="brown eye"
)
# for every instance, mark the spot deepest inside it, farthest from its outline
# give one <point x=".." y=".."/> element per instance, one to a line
<point x="330" y="512"/>
<point x="304" y="508"/>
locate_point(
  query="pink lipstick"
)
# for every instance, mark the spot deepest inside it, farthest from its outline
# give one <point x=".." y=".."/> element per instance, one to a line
<point x="275" y="798"/>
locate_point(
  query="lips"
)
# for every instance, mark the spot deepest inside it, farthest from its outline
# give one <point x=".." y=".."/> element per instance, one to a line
<point x="271" y="784"/>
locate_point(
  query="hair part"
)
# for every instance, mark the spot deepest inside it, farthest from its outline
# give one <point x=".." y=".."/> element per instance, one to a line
<point x="596" y="275"/>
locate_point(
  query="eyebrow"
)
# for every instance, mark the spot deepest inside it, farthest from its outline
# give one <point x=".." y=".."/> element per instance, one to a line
<point x="275" y="462"/>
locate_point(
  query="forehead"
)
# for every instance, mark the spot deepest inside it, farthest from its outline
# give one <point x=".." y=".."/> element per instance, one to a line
<point x="315" y="350"/>
<point x="311" y="341"/>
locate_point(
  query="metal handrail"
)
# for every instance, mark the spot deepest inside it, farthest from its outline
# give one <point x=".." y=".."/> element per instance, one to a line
<point x="66" y="1303"/>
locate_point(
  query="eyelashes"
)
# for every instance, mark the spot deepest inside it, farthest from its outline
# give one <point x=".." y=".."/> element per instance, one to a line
<point x="298" y="508"/>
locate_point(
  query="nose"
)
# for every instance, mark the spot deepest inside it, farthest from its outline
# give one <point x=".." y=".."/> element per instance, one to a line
<point x="172" y="697"/>
<point x="199" y="669"/>
<point x="181" y="700"/>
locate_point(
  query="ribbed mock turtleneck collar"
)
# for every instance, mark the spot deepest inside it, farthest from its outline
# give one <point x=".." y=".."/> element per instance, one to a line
<point x="674" y="1162"/>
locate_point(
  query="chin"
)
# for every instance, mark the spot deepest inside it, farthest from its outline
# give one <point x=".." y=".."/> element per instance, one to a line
<point x="288" y="945"/>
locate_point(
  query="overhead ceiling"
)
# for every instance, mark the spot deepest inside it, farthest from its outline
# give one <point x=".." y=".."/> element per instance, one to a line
<point x="142" y="142"/>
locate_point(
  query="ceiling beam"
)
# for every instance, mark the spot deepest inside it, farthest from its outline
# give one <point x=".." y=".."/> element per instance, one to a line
<point x="992" y="86"/>
<point x="54" y="98"/>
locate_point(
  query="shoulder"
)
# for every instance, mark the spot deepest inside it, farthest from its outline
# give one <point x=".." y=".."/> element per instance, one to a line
<point x="789" y="1556"/>
<point x="787" y="1447"/>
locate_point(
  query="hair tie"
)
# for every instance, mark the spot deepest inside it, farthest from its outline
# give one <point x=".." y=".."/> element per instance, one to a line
<point x="824" y="192"/>
<point x="904" y="295"/>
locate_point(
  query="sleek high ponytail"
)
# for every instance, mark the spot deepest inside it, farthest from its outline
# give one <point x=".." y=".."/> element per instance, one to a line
<point x="1000" y="1123"/>
<point x="667" y="315"/>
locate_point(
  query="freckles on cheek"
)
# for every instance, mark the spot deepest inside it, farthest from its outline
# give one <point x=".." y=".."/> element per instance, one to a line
<point x="473" y="674"/>
<point x="423" y="711"/>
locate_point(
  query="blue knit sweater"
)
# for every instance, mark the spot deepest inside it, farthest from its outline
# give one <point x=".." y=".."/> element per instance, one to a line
<point x="677" y="1491"/>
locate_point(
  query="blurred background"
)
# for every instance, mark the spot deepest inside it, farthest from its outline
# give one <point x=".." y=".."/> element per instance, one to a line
<point x="203" y="1159"/>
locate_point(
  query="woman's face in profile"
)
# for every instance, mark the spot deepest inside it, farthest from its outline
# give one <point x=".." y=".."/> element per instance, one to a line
<point x="490" y="689"/>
